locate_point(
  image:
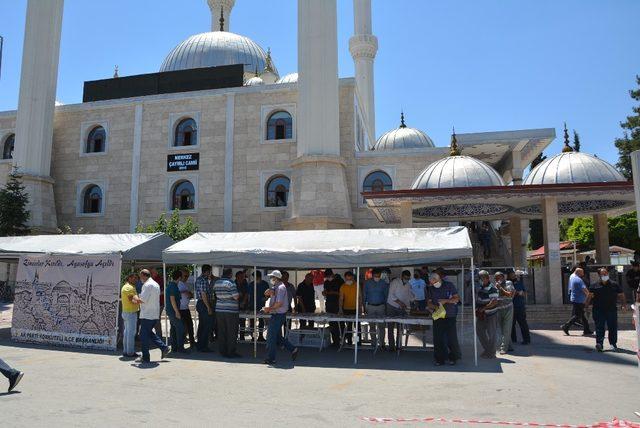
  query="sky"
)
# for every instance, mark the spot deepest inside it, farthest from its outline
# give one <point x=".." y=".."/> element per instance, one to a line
<point x="478" y="65"/>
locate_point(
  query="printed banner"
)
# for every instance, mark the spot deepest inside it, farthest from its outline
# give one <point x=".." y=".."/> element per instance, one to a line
<point x="67" y="301"/>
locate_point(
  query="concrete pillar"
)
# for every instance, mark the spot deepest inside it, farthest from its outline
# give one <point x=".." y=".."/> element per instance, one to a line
<point x="363" y="47"/>
<point x="34" y="123"/>
<point x="216" y="7"/>
<point x="406" y="214"/>
<point x="551" y="232"/>
<point x="517" y="248"/>
<point x="601" y="238"/>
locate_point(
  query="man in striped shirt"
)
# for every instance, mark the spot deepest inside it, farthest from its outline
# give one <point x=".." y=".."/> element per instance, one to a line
<point x="227" y="316"/>
<point x="487" y="306"/>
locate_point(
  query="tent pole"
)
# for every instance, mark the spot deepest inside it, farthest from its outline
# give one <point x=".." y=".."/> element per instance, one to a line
<point x="357" y="338"/>
<point x="164" y="291"/>
<point x="473" y="306"/>
<point x="462" y="311"/>
<point x="255" y="312"/>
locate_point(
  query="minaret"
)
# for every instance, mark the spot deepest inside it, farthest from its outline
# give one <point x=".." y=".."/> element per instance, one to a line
<point x="319" y="196"/>
<point x="363" y="47"/>
<point x="34" y="123"/>
<point x="217" y="6"/>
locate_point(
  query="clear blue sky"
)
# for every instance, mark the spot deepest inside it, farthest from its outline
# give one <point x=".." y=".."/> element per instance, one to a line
<point x="481" y="65"/>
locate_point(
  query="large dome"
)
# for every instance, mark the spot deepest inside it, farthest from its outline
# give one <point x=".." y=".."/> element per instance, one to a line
<point x="216" y="48"/>
<point x="403" y="137"/>
<point x="457" y="171"/>
<point x="573" y="167"/>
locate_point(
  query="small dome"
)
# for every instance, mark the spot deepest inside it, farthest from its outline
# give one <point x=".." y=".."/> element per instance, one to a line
<point x="254" y="81"/>
<point x="403" y="137"/>
<point x="573" y="167"/>
<point x="214" y="49"/>
<point x="457" y="171"/>
<point x="289" y="78"/>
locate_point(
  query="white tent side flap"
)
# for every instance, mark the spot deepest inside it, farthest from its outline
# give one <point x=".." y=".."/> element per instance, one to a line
<point x="342" y="248"/>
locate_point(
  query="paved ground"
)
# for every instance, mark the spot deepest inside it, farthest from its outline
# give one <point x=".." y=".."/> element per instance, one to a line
<point x="558" y="379"/>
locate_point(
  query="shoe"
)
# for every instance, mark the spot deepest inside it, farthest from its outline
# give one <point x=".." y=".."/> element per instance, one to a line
<point x="438" y="363"/>
<point x="503" y="352"/>
<point x="142" y="360"/>
<point x="261" y="339"/>
<point x="565" y="329"/>
<point x="15" y="380"/>
<point x="183" y="351"/>
<point x="166" y="351"/>
<point x="599" y="347"/>
<point x="614" y="348"/>
<point x="587" y="333"/>
<point x="294" y="354"/>
<point x="452" y="362"/>
<point x="269" y="362"/>
<point x="510" y="349"/>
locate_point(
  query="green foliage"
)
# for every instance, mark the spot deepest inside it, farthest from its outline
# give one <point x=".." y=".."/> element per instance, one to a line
<point x="576" y="141"/>
<point x="631" y="140"/>
<point x="582" y="231"/>
<point x="565" y="223"/>
<point x="538" y="160"/>
<point x="171" y="226"/>
<point x="13" y="208"/>
<point x="67" y="230"/>
<point x="623" y="231"/>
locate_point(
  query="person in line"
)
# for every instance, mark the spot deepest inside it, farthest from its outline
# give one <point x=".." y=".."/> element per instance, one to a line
<point x="347" y="304"/>
<point x="204" y="306"/>
<point x="604" y="296"/>
<point x="487" y="306"/>
<point x="332" y="284"/>
<point x="160" y="281"/>
<point x="173" y="313"/>
<point x="398" y="304"/>
<point x="419" y="287"/>
<point x="519" y="309"/>
<point x="505" y="312"/>
<point x="129" y="316"/>
<point x="149" y="300"/>
<point x="13" y="376"/>
<point x="259" y="291"/>
<point x="375" y="297"/>
<point x="485" y="240"/>
<point x="578" y="292"/>
<point x="243" y="300"/>
<point x="633" y="278"/>
<point x="318" y="287"/>
<point x="227" y="315"/>
<point x="278" y="310"/>
<point x="185" y="312"/>
<point x="306" y="300"/>
<point x="445" y="335"/>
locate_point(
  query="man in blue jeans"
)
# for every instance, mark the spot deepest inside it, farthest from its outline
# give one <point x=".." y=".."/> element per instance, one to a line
<point x="173" y="296"/>
<point x="149" y="300"/>
<point x="604" y="295"/>
<point x="278" y="306"/>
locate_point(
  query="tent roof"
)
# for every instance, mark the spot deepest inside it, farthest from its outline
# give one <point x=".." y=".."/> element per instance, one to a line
<point x="342" y="248"/>
<point x="133" y="246"/>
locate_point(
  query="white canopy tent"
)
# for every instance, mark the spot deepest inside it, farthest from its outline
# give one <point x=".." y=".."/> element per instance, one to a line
<point x="343" y="248"/>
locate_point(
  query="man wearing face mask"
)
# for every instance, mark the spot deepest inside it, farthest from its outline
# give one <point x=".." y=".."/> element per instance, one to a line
<point x="278" y="303"/>
<point x="376" y="293"/>
<point x="605" y="295"/>
<point x="398" y="303"/>
<point x="445" y="336"/>
<point x="332" y="284"/>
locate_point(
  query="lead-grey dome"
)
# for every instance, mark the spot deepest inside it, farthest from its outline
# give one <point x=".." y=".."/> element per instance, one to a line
<point x="457" y="171"/>
<point x="573" y="167"/>
<point x="403" y="137"/>
<point x="216" y="48"/>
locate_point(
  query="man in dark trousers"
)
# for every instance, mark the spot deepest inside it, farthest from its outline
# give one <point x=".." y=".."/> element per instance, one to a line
<point x="519" y="309"/>
<point x="332" y="284"/>
<point x="578" y="292"/>
<point x="605" y="295"/>
<point x="227" y="296"/>
<point x="633" y="278"/>
<point x="14" y="376"/>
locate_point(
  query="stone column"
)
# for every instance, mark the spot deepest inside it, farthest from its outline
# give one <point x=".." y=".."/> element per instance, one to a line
<point x="363" y="47"/>
<point x="319" y="193"/>
<point x="406" y="214"/>
<point x="551" y="232"/>
<point x="601" y="238"/>
<point x="217" y="6"/>
<point x="517" y="248"/>
<point x="34" y="123"/>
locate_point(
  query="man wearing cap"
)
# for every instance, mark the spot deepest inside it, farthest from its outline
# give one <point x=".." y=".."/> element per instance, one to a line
<point x="149" y="300"/>
<point x="278" y="309"/>
<point x="487" y="306"/>
<point x="505" y="312"/>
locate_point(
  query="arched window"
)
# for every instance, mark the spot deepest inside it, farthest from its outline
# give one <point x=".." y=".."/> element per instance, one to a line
<point x="186" y="133"/>
<point x="183" y="196"/>
<point x="96" y="140"/>
<point x="92" y="200"/>
<point x="280" y="126"/>
<point x="277" y="191"/>
<point x="7" y="148"/>
<point x="377" y="181"/>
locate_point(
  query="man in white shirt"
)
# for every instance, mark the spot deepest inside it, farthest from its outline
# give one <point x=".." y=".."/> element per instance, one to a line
<point x="149" y="299"/>
<point x="398" y="302"/>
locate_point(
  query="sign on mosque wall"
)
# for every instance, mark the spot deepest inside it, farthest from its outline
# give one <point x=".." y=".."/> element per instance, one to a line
<point x="183" y="162"/>
<point x="67" y="301"/>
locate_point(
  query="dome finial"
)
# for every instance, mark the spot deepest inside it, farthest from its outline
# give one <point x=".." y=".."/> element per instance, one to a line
<point x="221" y="18"/>
<point x="115" y="73"/>
<point x="455" y="150"/>
<point x="567" y="148"/>
<point x="268" y="66"/>
<point x="402" y="124"/>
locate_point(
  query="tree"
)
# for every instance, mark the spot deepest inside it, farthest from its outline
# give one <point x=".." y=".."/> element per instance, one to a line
<point x="631" y="140"/>
<point x="576" y="141"/>
<point x="172" y="226"/>
<point x="623" y="231"/>
<point x="582" y="232"/>
<point x="13" y="207"/>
